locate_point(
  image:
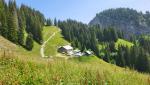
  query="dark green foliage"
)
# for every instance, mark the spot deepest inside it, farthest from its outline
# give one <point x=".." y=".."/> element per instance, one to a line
<point x="144" y="41"/>
<point x="15" y="22"/>
<point x="29" y="42"/>
<point x="49" y="22"/>
<point x="3" y="18"/>
<point x="55" y="22"/>
<point x="21" y="30"/>
<point x="107" y="34"/>
<point x="135" y="57"/>
<point x="80" y="35"/>
<point x="112" y="47"/>
<point x="130" y="21"/>
<point x="35" y="23"/>
<point x="142" y="63"/>
<point x="107" y="56"/>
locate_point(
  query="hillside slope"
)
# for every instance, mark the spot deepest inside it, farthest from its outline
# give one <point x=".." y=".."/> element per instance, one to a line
<point x="128" y="20"/>
<point x="50" y="47"/>
<point x="80" y="71"/>
<point x="30" y="68"/>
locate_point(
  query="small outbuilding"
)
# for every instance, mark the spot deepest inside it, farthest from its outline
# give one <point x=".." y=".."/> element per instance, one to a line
<point x="66" y="49"/>
<point x="88" y="53"/>
<point x="78" y="53"/>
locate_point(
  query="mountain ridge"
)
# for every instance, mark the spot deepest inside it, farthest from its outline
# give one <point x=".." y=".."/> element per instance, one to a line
<point x="128" y="20"/>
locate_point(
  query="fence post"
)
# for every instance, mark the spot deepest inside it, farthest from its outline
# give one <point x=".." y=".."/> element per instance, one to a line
<point x="4" y="53"/>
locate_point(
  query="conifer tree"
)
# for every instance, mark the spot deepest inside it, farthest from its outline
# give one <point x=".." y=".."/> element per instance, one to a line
<point x="3" y="19"/>
<point x="29" y="42"/>
<point x="49" y="22"/>
<point x="22" y="27"/>
<point x="55" y="22"/>
<point x="13" y="22"/>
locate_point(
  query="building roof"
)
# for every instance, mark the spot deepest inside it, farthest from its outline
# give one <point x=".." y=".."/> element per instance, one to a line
<point x="68" y="47"/>
<point x="77" y="51"/>
<point x="88" y="52"/>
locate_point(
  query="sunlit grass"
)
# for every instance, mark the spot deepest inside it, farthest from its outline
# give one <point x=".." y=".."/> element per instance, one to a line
<point x="53" y="44"/>
<point x="27" y="67"/>
<point x="123" y="42"/>
<point x="68" y="72"/>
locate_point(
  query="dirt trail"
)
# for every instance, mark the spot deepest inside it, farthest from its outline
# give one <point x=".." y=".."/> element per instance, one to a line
<point x="43" y="45"/>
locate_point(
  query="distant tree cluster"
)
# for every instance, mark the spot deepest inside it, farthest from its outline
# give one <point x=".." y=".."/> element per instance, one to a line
<point x="79" y="35"/>
<point x="24" y="25"/>
<point x="128" y="20"/>
<point x="49" y="22"/>
<point x="107" y="34"/>
<point x="85" y="37"/>
<point x="16" y="22"/>
<point x="137" y="57"/>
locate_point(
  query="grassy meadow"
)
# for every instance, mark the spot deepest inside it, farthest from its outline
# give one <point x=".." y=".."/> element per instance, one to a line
<point x="124" y="43"/>
<point x="53" y="44"/>
<point x="21" y="67"/>
<point x="90" y="71"/>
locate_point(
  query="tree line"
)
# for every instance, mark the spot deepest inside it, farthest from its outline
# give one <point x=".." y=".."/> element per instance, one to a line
<point x="21" y="25"/>
<point x="128" y="20"/>
<point x="87" y="37"/>
<point x="136" y="57"/>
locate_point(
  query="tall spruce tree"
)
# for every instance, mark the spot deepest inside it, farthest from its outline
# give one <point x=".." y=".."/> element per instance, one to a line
<point x="55" y="22"/>
<point x="13" y="22"/>
<point x="29" y="42"/>
<point x="22" y="27"/>
<point x="3" y="19"/>
<point x="49" y="22"/>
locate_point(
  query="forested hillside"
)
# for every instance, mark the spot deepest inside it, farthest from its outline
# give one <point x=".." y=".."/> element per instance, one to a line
<point x="21" y="25"/>
<point x="117" y="36"/>
<point x="128" y="20"/>
<point x="103" y="43"/>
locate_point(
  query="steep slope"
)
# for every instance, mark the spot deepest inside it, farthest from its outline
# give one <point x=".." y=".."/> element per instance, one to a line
<point x="124" y="43"/>
<point x="5" y="44"/>
<point x="56" y="41"/>
<point x="30" y="68"/>
<point x="6" y="47"/>
<point x="128" y="20"/>
<point x="50" y="48"/>
<point x="82" y="71"/>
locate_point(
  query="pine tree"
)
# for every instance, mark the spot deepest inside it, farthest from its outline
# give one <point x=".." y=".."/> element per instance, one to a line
<point x="142" y="63"/>
<point x="29" y="42"/>
<point x="3" y="19"/>
<point x="113" y="34"/>
<point x="94" y="44"/>
<point x="55" y="22"/>
<point x="49" y="22"/>
<point x="120" y="60"/>
<point x="112" y="47"/>
<point x="22" y="27"/>
<point x="13" y="22"/>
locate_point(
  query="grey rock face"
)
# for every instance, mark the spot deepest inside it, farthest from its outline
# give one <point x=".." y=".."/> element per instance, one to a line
<point x="128" y="20"/>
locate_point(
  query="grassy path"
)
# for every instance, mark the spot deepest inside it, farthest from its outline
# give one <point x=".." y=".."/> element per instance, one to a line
<point x="43" y="45"/>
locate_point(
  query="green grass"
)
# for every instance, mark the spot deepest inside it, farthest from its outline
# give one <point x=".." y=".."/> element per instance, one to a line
<point x="70" y="72"/>
<point x="50" y="48"/>
<point x="85" y="59"/>
<point x="28" y="68"/>
<point x="53" y="44"/>
<point x="123" y="42"/>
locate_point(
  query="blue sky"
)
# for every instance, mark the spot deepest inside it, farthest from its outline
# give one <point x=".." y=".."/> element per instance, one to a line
<point x="81" y="10"/>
